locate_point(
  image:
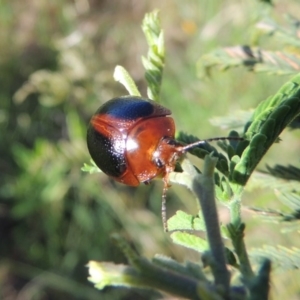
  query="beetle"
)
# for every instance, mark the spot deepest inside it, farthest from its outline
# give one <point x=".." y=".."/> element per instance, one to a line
<point x="132" y="140"/>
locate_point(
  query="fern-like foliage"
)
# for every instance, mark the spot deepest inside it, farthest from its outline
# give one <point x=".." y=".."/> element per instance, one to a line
<point x="154" y="63"/>
<point x="267" y="122"/>
<point x="285" y="258"/>
<point x="236" y="121"/>
<point x="285" y="182"/>
<point x="264" y="179"/>
<point x="287" y="35"/>
<point x="285" y="172"/>
<point x="292" y="199"/>
<point x="255" y="59"/>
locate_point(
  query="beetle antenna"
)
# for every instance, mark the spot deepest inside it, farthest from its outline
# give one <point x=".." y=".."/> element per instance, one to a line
<point x="227" y="138"/>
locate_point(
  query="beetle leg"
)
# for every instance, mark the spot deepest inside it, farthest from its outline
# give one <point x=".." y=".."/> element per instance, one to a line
<point x="164" y="199"/>
<point x="164" y="204"/>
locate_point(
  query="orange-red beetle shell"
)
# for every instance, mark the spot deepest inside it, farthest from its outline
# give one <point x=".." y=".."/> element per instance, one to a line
<point x="129" y="139"/>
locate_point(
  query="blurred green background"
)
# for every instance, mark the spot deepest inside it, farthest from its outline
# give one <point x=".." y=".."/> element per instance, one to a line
<point x="56" y="64"/>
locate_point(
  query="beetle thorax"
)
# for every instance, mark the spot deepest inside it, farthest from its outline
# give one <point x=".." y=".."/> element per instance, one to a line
<point x="168" y="151"/>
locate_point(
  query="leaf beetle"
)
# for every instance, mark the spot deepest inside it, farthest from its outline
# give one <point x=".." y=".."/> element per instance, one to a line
<point x="132" y="140"/>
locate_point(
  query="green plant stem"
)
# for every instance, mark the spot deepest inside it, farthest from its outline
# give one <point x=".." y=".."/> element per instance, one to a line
<point x="154" y="276"/>
<point x="235" y="211"/>
<point x="204" y="187"/>
<point x="237" y="237"/>
<point x="245" y="266"/>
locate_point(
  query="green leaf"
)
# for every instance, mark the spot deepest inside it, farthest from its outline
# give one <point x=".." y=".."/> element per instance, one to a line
<point x="103" y="274"/>
<point x="190" y="241"/>
<point x="121" y="75"/>
<point x="90" y="168"/>
<point x="184" y="221"/>
<point x="224" y="192"/>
